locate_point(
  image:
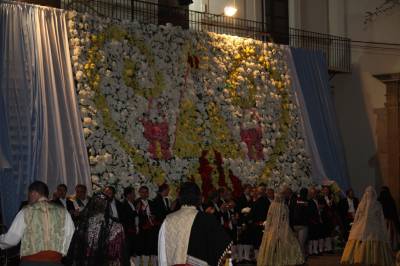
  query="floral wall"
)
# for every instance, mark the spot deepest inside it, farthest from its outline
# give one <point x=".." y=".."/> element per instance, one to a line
<point x="162" y="104"/>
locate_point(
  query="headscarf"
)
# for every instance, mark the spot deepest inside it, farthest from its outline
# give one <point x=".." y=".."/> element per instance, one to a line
<point x="369" y="223"/>
<point x="98" y="239"/>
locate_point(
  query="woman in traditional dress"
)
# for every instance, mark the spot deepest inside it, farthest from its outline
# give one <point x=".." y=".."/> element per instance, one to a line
<point x="98" y="239"/>
<point x="391" y="217"/>
<point x="279" y="246"/>
<point x="368" y="242"/>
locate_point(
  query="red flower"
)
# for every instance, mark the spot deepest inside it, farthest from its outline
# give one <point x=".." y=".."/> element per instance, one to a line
<point x="252" y="137"/>
<point x="157" y="134"/>
<point x="236" y="185"/>
<point x="205" y="171"/>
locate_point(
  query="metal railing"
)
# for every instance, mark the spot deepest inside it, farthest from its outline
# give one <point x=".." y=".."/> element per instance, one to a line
<point x="336" y="49"/>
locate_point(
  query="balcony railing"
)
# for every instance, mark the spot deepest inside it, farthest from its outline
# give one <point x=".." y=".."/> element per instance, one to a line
<point x="336" y="49"/>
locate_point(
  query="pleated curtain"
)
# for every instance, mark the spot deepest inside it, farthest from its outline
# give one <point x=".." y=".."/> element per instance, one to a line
<point x="41" y="136"/>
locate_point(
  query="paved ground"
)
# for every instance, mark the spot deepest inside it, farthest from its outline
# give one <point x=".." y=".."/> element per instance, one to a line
<point x="325" y="260"/>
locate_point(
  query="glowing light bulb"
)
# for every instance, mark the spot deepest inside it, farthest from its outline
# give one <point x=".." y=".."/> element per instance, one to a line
<point x="230" y="11"/>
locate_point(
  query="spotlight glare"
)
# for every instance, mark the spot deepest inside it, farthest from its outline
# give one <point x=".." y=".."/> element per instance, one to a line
<point x="230" y="11"/>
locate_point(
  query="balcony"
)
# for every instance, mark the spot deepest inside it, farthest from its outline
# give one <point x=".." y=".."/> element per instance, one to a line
<point x="336" y="49"/>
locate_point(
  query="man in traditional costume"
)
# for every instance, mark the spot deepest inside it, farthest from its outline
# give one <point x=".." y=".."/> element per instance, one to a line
<point x="368" y="242"/>
<point x="259" y="215"/>
<point x="160" y="208"/>
<point x="300" y="218"/>
<point x="161" y="205"/>
<point x="62" y="200"/>
<point x="45" y="229"/>
<point x="131" y="223"/>
<point x="190" y="237"/>
<point x="315" y="236"/>
<point x="213" y="205"/>
<point x="81" y="198"/>
<point x="329" y="218"/>
<point x="347" y="209"/>
<point x="147" y="237"/>
<point x="229" y="218"/>
<point x="80" y="201"/>
<point x="243" y="209"/>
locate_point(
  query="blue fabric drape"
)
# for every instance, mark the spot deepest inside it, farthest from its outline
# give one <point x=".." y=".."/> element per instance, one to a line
<point x="41" y="133"/>
<point x="318" y="174"/>
<point x="312" y="72"/>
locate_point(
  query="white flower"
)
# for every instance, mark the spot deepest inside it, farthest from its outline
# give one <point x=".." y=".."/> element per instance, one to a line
<point x="79" y="75"/>
<point x="87" y="121"/>
<point x="130" y="110"/>
<point x="86" y="132"/>
<point x="95" y="179"/>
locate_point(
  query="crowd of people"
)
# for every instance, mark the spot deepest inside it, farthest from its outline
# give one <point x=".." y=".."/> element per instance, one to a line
<point x="265" y="226"/>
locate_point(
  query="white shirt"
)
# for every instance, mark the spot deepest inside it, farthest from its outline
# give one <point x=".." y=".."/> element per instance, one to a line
<point x="328" y="201"/>
<point x="64" y="202"/>
<point x="136" y="218"/>
<point x="114" y="211"/>
<point x="166" y="202"/>
<point x="131" y="205"/>
<point x="17" y="230"/>
<point x="162" y="253"/>
<point x="76" y="205"/>
<point x="351" y="205"/>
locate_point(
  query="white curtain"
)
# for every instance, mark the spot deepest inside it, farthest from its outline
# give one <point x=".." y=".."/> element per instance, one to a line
<point x="43" y="137"/>
<point x="318" y="174"/>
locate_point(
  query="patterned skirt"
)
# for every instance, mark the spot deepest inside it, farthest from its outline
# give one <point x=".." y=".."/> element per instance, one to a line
<point x="367" y="253"/>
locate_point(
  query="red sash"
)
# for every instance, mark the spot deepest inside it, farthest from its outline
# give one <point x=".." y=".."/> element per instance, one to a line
<point x="44" y="256"/>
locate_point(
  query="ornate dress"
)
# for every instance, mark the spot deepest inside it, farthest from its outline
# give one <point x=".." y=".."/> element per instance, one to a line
<point x="368" y="242"/>
<point x="279" y="246"/>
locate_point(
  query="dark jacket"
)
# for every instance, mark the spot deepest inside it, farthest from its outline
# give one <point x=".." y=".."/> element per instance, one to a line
<point x="300" y="212"/>
<point x="129" y="218"/>
<point x="313" y="213"/>
<point x="344" y="207"/>
<point x="260" y="210"/>
<point x="69" y="203"/>
<point x="159" y="209"/>
<point x="242" y="203"/>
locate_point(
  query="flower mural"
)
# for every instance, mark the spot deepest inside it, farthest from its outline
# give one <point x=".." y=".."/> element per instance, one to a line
<point x="159" y="103"/>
